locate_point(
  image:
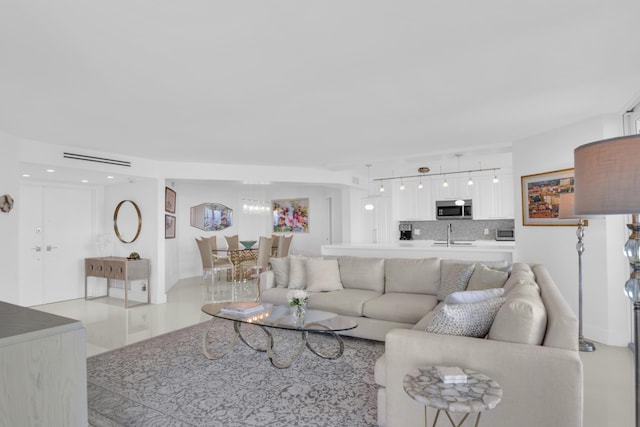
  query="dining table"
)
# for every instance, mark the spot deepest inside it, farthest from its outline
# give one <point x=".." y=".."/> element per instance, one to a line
<point x="237" y="257"/>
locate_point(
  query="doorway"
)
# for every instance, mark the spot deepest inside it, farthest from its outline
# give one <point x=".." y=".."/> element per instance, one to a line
<point x="56" y="232"/>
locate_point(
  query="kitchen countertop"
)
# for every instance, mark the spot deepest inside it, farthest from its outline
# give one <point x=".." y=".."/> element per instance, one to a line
<point x="481" y="250"/>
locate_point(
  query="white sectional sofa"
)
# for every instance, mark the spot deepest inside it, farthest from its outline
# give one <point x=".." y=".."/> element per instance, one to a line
<point x="527" y="342"/>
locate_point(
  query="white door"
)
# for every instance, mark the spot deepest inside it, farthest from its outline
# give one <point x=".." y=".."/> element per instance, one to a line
<point x="56" y="229"/>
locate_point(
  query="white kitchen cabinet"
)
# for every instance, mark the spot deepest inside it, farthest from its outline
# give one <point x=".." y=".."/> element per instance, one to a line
<point x="493" y="200"/>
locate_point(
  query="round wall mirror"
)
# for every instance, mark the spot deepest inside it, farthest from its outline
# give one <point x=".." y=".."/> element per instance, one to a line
<point x="127" y="221"/>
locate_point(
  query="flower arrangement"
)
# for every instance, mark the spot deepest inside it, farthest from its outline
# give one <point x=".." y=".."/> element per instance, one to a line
<point x="297" y="297"/>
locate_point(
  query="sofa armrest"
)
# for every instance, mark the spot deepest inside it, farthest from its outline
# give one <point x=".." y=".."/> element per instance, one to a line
<point x="542" y="385"/>
<point x="267" y="280"/>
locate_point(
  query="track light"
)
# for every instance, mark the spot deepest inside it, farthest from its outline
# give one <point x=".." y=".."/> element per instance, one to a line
<point x="381" y="188"/>
<point x="401" y="186"/>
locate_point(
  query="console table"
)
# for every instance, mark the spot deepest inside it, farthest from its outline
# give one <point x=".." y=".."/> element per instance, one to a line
<point x="117" y="268"/>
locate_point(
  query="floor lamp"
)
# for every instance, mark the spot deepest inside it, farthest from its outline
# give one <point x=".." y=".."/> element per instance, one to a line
<point x="567" y="212"/>
<point x="607" y="181"/>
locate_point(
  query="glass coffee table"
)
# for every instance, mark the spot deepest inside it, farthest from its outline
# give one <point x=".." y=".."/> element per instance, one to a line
<point x="279" y="317"/>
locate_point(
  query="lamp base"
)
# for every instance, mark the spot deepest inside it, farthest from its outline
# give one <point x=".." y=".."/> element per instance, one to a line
<point x="586" y="346"/>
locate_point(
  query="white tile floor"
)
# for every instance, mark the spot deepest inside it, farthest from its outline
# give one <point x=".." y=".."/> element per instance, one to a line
<point x="608" y="372"/>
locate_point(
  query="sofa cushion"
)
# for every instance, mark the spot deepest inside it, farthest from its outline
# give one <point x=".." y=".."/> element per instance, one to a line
<point x="455" y="280"/>
<point x="519" y="271"/>
<point x="298" y="271"/>
<point x="362" y="273"/>
<point x="414" y="276"/>
<point x="348" y="302"/>
<point x="522" y="318"/>
<point x="323" y="275"/>
<point x="280" y="268"/>
<point x="484" y="277"/>
<point x="400" y="307"/>
<point x="276" y="296"/>
<point x="470" y="320"/>
<point x="466" y="297"/>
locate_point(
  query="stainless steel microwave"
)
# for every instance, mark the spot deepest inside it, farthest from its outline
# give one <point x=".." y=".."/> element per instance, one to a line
<point x="454" y="209"/>
<point x="505" y="234"/>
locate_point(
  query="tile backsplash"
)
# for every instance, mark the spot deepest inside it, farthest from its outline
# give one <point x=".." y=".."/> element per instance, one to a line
<point x="461" y="229"/>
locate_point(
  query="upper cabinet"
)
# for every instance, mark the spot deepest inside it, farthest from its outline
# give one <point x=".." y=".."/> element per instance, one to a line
<point x="490" y="200"/>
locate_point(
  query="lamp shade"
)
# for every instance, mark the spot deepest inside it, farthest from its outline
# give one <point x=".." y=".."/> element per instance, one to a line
<point x="566" y="210"/>
<point x="607" y="176"/>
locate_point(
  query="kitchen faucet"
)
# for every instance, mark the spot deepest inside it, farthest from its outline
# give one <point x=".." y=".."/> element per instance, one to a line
<point x="449" y="233"/>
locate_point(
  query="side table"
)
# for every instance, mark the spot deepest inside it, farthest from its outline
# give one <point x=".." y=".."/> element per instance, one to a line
<point x="118" y="268"/>
<point x="480" y="393"/>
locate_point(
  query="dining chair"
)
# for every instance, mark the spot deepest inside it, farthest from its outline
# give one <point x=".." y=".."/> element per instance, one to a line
<point x="262" y="260"/>
<point x="283" y="246"/>
<point x="206" y="256"/>
<point x="275" y="241"/>
<point x="220" y="257"/>
<point x="233" y="243"/>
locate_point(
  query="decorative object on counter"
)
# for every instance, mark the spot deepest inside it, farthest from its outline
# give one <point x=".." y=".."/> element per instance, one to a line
<point x="248" y="244"/>
<point x="169" y="227"/>
<point x="6" y="203"/>
<point x="211" y="216"/>
<point x="169" y="200"/>
<point x="606" y="175"/>
<point x="567" y="211"/>
<point x="134" y="256"/>
<point x="124" y="221"/>
<point x="290" y="215"/>
<point x="541" y="197"/>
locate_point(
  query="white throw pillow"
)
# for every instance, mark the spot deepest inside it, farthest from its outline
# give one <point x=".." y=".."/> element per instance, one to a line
<point x="484" y="277"/>
<point x="280" y="268"/>
<point x="297" y="272"/>
<point x="469" y="320"/>
<point x="323" y="275"/>
<point x="467" y="297"/>
<point x="455" y="280"/>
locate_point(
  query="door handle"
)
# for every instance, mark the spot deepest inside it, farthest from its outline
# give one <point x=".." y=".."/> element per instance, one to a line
<point x="49" y="248"/>
<point x="37" y="249"/>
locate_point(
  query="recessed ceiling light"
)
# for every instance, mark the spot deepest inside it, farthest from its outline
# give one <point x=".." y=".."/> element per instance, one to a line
<point x="84" y="180"/>
<point x="51" y="170"/>
<point x="26" y="175"/>
<point x="110" y="177"/>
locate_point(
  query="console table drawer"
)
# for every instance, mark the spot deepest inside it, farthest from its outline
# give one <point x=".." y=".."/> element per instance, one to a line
<point x="94" y="267"/>
<point x="115" y="270"/>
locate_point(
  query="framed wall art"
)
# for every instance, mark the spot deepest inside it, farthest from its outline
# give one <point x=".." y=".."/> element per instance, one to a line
<point x="169" y="200"/>
<point x="169" y="227"/>
<point x="541" y="197"/>
<point x="290" y="215"/>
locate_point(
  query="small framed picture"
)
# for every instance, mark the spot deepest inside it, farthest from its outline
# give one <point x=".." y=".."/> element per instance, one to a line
<point x="541" y="197"/>
<point x="169" y="227"/>
<point x="169" y="200"/>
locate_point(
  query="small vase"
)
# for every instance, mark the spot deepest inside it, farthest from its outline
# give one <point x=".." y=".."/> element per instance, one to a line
<point x="299" y="312"/>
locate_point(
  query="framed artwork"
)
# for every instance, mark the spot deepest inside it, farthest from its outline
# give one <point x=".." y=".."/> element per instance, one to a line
<point x="169" y="227"/>
<point x="211" y="216"/>
<point x="169" y="200"/>
<point x="541" y="197"/>
<point x="290" y="215"/>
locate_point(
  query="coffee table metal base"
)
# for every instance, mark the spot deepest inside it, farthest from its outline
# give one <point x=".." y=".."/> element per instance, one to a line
<point x="268" y="348"/>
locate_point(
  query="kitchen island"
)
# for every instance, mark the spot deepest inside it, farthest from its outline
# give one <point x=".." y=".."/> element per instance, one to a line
<point x="478" y="250"/>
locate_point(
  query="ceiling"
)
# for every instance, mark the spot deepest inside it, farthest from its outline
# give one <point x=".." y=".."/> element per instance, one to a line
<point x="330" y="84"/>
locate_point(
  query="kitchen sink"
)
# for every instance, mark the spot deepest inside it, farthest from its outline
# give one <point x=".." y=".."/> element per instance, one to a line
<point x="455" y="243"/>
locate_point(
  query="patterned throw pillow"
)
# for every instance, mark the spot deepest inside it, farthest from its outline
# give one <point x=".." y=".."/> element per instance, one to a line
<point x="455" y="280"/>
<point x="469" y="320"/>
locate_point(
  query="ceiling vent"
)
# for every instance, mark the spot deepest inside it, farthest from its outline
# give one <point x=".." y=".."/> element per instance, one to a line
<point x="97" y="159"/>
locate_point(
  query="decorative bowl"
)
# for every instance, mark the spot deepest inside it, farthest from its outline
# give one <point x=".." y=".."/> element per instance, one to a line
<point x="248" y="244"/>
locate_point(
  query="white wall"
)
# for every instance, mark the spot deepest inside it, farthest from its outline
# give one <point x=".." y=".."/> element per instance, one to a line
<point x="9" y="178"/>
<point x="605" y="308"/>
<point x="249" y="227"/>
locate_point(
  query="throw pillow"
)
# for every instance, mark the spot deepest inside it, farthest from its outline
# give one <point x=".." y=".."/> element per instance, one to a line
<point x="469" y="320"/>
<point x="323" y="275"/>
<point x="484" y="277"/>
<point x="523" y="317"/>
<point x="467" y="297"/>
<point x="455" y="280"/>
<point x="297" y="272"/>
<point x="280" y="268"/>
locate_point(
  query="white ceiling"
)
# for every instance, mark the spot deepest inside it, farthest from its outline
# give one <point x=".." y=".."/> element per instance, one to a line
<point x="332" y="84"/>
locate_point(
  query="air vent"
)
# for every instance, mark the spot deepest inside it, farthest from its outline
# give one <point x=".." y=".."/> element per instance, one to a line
<point x="96" y="159"/>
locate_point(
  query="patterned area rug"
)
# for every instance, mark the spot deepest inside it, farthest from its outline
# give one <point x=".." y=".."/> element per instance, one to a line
<point x="167" y="381"/>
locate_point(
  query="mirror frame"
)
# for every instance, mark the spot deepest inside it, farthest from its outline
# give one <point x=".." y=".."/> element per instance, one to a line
<point x="115" y="221"/>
